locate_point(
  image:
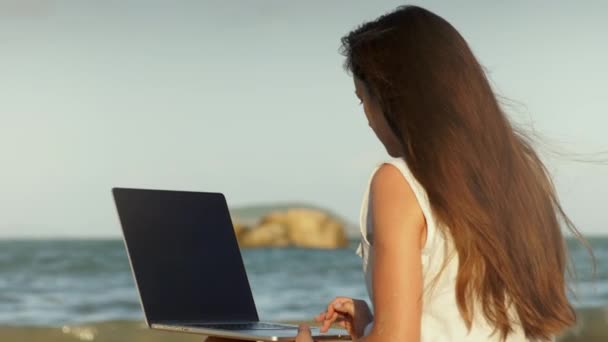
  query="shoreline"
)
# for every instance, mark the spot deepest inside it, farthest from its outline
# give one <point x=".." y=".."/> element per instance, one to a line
<point x="592" y="326"/>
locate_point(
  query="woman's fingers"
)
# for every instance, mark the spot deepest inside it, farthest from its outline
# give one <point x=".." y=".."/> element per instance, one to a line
<point x="304" y="334"/>
<point x="343" y="310"/>
<point x="331" y="305"/>
<point x="330" y="320"/>
<point x="347" y="308"/>
<point x="338" y="311"/>
<point x="342" y="321"/>
<point x="338" y="302"/>
<point x="330" y="310"/>
<point x="337" y="318"/>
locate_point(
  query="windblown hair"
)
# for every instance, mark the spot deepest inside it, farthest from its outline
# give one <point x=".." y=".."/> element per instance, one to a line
<point x="485" y="182"/>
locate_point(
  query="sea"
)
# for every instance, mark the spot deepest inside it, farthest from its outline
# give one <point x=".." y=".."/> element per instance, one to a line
<point x="66" y="290"/>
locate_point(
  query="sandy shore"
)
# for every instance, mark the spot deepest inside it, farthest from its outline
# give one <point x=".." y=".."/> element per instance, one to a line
<point x="592" y="327"/>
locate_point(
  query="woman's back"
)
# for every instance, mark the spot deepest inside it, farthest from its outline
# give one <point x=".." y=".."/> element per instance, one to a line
<point x="483" y="191"/>
<point x="441" y="319"/>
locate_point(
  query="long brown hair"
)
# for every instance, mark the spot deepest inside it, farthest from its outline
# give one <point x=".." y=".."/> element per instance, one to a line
<point x="484" y="180"/>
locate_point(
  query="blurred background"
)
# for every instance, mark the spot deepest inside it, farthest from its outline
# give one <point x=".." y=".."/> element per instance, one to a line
<point x="249" y="98"/>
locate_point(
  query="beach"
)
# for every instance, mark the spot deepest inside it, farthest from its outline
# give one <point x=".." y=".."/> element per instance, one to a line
<point x="591" y="328"/>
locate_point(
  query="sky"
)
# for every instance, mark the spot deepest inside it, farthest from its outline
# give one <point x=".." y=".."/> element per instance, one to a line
<point x="249" y="98"/>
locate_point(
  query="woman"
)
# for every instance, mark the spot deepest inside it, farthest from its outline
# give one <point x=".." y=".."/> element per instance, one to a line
<point x="461" y="236"/>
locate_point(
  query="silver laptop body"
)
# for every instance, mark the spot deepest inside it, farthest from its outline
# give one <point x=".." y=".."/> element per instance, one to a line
<point x="188" y="269"/>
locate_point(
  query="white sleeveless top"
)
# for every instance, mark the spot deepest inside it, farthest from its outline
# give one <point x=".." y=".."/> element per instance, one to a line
<point x="441" y="320"/>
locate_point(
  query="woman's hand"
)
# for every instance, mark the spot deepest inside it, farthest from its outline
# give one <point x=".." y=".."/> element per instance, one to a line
<point x="352" y="314"/>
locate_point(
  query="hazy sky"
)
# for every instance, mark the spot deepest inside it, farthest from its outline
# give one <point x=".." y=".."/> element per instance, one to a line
<point x="249" y="98"/>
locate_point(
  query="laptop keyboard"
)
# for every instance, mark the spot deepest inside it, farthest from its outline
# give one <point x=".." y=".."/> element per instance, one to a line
<point x="245" y="326"/>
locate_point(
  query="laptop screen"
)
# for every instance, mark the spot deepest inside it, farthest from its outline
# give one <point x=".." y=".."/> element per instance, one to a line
<point x="185" y="256"/>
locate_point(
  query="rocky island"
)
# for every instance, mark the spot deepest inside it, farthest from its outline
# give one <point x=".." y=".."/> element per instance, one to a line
<point x="292" y="227"/>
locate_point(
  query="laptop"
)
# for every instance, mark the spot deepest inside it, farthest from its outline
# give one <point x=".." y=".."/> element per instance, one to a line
<point x="188" y="269"/>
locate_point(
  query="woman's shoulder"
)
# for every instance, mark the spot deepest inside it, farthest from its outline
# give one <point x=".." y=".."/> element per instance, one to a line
<point x="384" y="172"/>
<point x="393" y="199"/>
<point x="388" y="177"/>
<point x="386" y="168"/>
